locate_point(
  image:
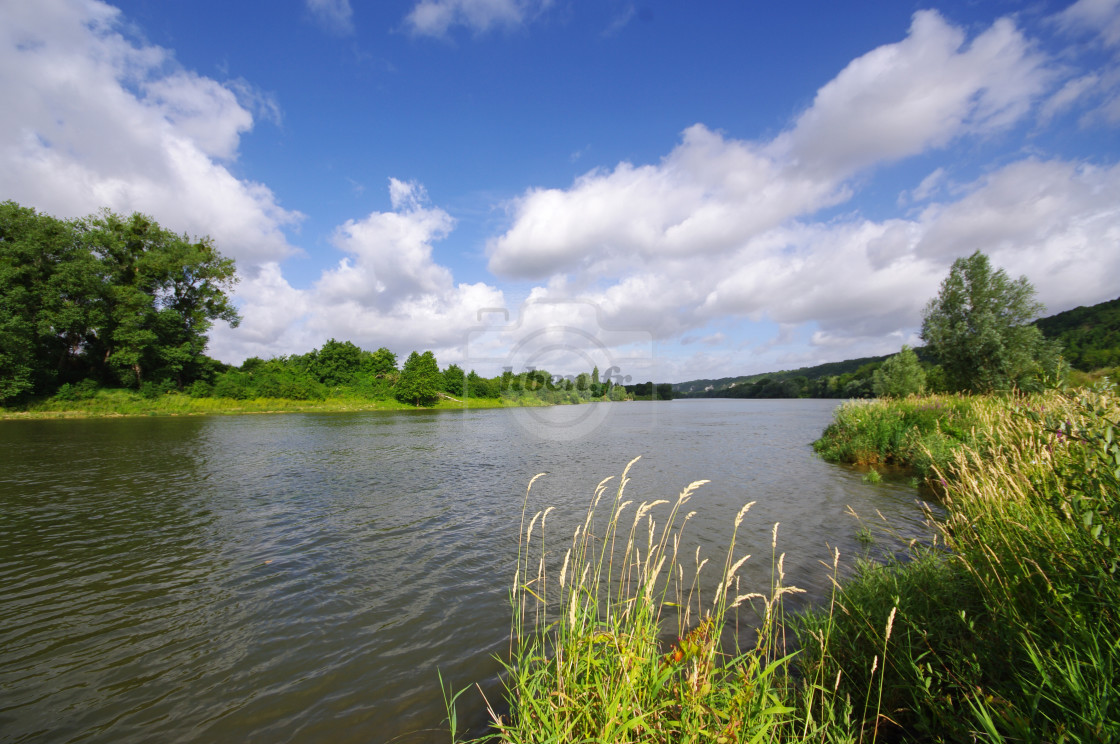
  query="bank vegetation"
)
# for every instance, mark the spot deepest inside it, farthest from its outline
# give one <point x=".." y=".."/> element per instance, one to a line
<point x="1006" y="627"/>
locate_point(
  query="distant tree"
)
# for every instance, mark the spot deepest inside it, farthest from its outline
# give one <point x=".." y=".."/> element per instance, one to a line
<point x="161" y="294"/>
<point x="420" y="381"/>
<point x="979" y="329"/>
<point x="380" y="363"/>
<point x="453" y="379"/>
<point x="337" y="363"/>
<point x="901" y="375"/>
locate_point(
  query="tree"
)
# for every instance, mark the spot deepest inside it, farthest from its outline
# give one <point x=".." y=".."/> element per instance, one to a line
<point x="901" y="375"/>
<point x="161" y="293"/>
<point x="380" y="363"/>
<point x="979" y="329"/>
<point x="48" y="285"/>
<point x="420" y="381"/>
<point x="453" y="379"/>
<point x="337" y="363"/>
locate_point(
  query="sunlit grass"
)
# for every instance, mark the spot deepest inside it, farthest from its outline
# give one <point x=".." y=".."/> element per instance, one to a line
<point x="1005" y="628"/>
<point x="111" y="402"/>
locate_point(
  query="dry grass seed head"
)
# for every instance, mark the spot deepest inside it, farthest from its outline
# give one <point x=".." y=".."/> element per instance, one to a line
<point x="742" y="513"/>
<point x="532" y="523"/>
<point x="564" y="570"/>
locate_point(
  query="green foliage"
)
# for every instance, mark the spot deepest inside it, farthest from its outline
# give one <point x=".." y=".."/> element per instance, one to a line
<point x="899" y="376"/>
<point x="49" y="303"/>
<point x="336" y="363"/>
<point x="454" y="379"/>
<point x="108" y="297"/>
<point x="979" y="329"/>
<point x="919" y="433"/>
<point x="420" y="381"/>
<point x="1089" y="336"/>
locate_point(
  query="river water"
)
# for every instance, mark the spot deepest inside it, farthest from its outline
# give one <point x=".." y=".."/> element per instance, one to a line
<point x="303" y="577"/>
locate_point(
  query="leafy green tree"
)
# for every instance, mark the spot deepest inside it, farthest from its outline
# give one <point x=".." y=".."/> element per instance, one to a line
<point x="453" y="379"/>
<point x="979" y="329"/>
<point x="420" y="381"/>
<point x="380" y="363"/>
<point x="337" y="363"/>
<point x="161" y="294"/>
<point x="39" y="261"/>
<point x="901" y="375"/>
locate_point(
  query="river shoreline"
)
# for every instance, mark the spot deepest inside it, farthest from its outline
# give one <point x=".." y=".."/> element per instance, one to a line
<point x="117" y="405"/>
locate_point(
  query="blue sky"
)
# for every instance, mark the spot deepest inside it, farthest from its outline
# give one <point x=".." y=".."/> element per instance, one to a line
<point x="678" y="190"/>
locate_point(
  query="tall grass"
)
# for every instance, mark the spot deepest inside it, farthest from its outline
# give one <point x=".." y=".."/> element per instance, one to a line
<point x="1006" y="628"/>
<point x="919" y="432"/>
<point x="625" y="639"/>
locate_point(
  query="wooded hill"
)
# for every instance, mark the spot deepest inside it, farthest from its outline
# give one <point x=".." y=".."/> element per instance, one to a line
<point x="1090" y="339"/>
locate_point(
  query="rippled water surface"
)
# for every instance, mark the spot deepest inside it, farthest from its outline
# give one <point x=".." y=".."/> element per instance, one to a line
<point x="301" y="577"/>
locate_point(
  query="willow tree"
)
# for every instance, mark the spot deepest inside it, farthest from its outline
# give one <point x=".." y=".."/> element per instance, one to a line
<point x="979" y="328"/>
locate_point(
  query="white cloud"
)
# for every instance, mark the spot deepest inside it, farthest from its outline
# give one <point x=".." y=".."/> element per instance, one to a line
<point x="1096" y="17"/>
<point x="92" y="119"/>
<point x="335" y="16"/>
<point x="901" y="99"/>
<point x="387" y="290"/>
<point x="436" y="17"/>
<point x="1054" y="221"/>
<point x="1069" y="94"/>
<point x="723" y="228"/>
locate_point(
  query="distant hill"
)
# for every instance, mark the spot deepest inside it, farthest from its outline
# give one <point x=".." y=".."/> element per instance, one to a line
<point x="811" y="373"/>
<point x="1090" y="338"/>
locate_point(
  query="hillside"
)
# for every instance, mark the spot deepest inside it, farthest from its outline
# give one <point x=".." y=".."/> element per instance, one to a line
<point x="1090" y="339"/>
<point x="1090" y="336"/>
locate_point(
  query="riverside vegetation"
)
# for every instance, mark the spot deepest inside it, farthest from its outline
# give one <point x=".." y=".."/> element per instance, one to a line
<point x="1005" y="628"/>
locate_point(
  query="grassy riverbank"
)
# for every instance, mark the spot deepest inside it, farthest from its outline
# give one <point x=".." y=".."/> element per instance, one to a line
<point x="1006" y="629"/>
<point x="110" y="403"/>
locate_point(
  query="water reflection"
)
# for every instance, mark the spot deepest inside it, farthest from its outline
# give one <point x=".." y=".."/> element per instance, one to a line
<point x="301" y="577"/>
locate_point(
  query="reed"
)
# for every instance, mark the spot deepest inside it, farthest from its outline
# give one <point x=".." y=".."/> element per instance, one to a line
<point x="1005" y="628"/>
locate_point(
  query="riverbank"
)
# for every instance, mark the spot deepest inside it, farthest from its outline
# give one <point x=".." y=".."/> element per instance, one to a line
<point x="1007" y="628"/>
<point x="117" y="403"/>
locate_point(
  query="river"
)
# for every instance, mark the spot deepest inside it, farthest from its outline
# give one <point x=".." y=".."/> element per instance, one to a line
<point x="303" y="577"/>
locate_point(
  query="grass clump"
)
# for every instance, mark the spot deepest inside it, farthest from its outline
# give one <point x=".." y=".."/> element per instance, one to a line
<point x="1005" y="629"/>
<point x="592" y="655"/>
<point x="1008" y="628"/>
<point x="917" y="432"/>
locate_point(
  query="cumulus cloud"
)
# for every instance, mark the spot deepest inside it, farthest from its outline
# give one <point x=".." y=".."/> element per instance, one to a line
<point x="93" y="119"/>
<point x="436" y="17"/>
<point x="901" y="99"/>
<point x="336" y="16"/>
<point x="725" y="228"/>
<point x="386" y="290"/>
<point x="711" y="193"/>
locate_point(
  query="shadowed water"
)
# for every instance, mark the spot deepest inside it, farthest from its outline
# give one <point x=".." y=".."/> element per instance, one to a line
<point x="301" y="577"/>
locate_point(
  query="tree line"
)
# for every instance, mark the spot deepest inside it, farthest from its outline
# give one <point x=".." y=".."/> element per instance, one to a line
<point x="111" y="301"/>
<point x="981" y="336"/>
<point x="106" y="299"/>
<point x="115" y="301"/>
